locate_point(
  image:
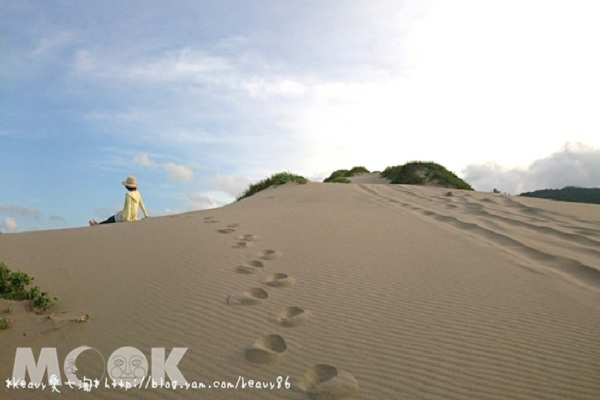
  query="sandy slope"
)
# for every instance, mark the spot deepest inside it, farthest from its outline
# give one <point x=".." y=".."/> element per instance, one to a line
<point x="403" y="292"/>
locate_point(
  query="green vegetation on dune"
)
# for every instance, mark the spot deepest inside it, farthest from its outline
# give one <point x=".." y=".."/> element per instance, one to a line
<point x="414" y="173"/>
<point x="13" y="286"/>
<point x="273" y="180"/>
<point x="339" y="179"/>
<point x="359" y="170"/>
<point x="424" y="173"/>
<point x="5" y="322"/>
<point x="341" y="175"/>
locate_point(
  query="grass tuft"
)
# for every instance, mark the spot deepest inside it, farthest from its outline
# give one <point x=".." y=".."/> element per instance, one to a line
<point x="336" y="176"/>
<point x="13" y="286"/>
<point x="423" y="173"/>
<point x="273" y="180"/>
<point x="5" y="322"/>
<point x="40" y="301"/>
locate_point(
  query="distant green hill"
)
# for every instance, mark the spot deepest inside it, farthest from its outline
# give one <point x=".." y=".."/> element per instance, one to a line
<point x="424" y="173"/>
<point x="568" y="193"/>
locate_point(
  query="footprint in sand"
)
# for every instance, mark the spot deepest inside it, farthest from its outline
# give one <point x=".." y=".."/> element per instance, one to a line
<point x="250" y="267"/>
<point x="324" y="381"/>
<point x="266" y="349"/>
<point x="291" y="316"/>
<point x="210" y="220"/>
<point x="269" y="254"/>
<point x="248" y="297"/>
<point x="278" y="279"/>
<point x="248" y="238"/>
<point x="234" y="225"/>
<point x="226" y="231"/>
<point x="242" y="245"/>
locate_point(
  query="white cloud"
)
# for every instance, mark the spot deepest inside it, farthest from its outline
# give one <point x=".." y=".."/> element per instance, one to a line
<point x="185" y="65"/>
<point x="274" y="88"/>
<point x="573" y="165"/>
<point x="507" y="81"/>
<point x="14" y="210"/>
<point x="9" y="224"/>
<point x="175" y="172"/>
<point x="513" y="78"/>
<point x="320" y="176"/>
<point x="178" y="173"/>
<point x="50" y="46"/>
<point x="142" y="160"/>
<point x="198" y="201"/>
<point x="232" y="185"/>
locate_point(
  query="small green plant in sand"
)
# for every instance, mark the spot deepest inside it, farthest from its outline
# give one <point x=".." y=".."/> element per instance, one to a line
<point x="5" y="322"/>
<point x="273" y="180"/>
<point x="13" y="286"/>
<point x="40" y="301"/>
<point x="341" y="175"/>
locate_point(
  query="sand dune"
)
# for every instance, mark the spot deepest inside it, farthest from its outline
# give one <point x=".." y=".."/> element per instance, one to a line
<point x="359" y="291"/>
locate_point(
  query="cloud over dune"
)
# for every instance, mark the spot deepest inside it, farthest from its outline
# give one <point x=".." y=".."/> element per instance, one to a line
<point x="573" y="165"/>
<point x="175" y="172"/>
<point x="14" y="210"/>
<point x="199" y="201"/>
<point x="9" y="224"/>
<point x="178" y="173"/>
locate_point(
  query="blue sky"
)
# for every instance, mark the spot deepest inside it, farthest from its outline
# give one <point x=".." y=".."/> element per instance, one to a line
<point x="199" y="98"/>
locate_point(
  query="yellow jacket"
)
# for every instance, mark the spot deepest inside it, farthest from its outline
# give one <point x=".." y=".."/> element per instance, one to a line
<point x="133" y="200"/>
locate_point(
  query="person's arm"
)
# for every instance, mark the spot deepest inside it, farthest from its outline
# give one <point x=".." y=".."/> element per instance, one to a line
<point x="143" y="208"/>
<point x="127" y="209"/>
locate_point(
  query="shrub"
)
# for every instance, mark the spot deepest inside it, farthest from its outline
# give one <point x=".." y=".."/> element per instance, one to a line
<point x="276" y="179"/>
<point x="344" y="173"/>
<point x="5" y="322"/>
<point x="419" y="173"/>
<point x="12" y="284"/>
<point x="359" y="170"/>
<point x="340" y="173"/>
<point x="13" y="287"/>
<point x="391" y="172"/>
<point x="412" y="178"/>
<point x="40" y="301"/>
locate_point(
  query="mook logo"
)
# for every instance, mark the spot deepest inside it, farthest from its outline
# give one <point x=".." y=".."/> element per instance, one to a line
<point x="126" y="367"/>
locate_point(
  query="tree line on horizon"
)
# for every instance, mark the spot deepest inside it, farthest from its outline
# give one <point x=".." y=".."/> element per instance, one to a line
<point x="568" y="193"/>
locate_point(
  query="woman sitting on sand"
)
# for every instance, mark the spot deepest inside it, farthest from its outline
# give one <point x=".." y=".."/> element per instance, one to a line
<point x="133" y="200"/>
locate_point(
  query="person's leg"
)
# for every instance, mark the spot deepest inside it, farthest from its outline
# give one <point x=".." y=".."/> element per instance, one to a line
<point x="111" y="220"/>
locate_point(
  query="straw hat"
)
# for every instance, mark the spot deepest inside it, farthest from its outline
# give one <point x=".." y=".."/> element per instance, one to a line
<point x="130" y="181"/>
